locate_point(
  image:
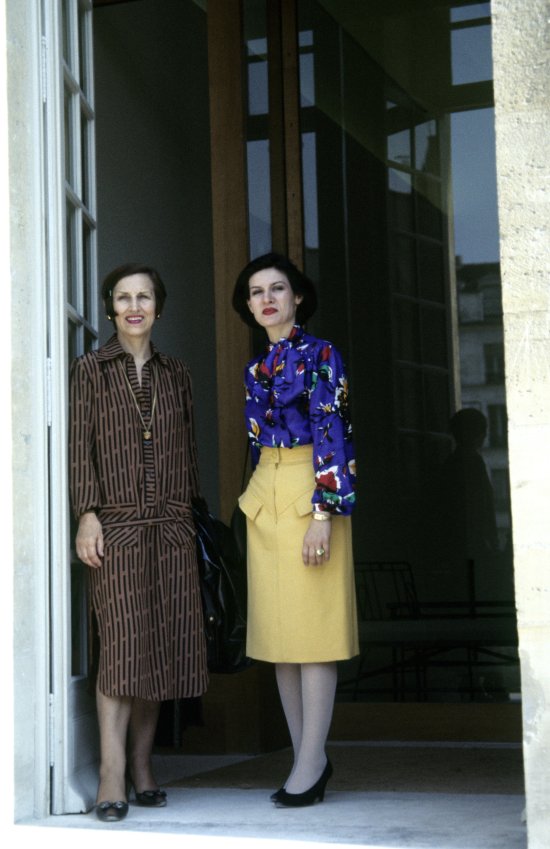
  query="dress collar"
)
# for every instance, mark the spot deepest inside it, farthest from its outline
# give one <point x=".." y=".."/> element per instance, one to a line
<point x="113" y="350"/>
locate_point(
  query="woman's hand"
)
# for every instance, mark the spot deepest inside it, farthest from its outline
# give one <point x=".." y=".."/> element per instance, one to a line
<point x="317" y="538"/>
<point x="89" y="540"/>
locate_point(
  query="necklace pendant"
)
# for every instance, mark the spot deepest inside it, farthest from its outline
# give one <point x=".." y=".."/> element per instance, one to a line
<point x="147" y="434"/>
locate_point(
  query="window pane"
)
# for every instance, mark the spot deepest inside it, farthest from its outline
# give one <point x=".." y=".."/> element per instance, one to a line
<point x="87" y="268"/>
<point x="431" y="274"/>
<point x="309" y="177"/>
<point x="307" y="80"/>
<point x="257" y="46"/>
<point x="68" y="139"/>
<point x="428" y="206"/>
<point x="400" y="199"/>
<point x="72" y="269"/>
<point x="258" y="95"/>
<point x="66" y="15"/>
<point x="399" y="147"/>
<point x="89" y="341"/>
<point x="259" y="197"/>
<point x="434" y="336"/>
<point x="83" y="54"/>
<point x="74" y="349"/>
<point x="402" y="264"/>
<point x="410" y="462"/>
<point x="85" y="160"/>
<point x="408" y="331"/>
<point x="409" y="400"/>
<point x="436" y="392"/>
<point x="426" y="148"/>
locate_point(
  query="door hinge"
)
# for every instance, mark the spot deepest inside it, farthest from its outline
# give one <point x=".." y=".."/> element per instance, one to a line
<point x="49" y="391"/>
<point x="51" y="720"/>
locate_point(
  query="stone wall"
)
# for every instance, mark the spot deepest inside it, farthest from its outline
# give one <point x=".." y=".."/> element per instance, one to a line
<point x="521" y="45"/>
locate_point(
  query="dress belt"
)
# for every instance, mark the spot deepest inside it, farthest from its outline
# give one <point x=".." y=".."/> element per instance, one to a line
<point x="298" y="454"/>
<point x="115" y="515"/>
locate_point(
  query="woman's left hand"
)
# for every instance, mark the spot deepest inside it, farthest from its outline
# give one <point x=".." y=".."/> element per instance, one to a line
<point x="317" y="539"/>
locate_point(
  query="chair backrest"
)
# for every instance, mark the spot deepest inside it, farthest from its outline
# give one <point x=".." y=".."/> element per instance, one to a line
<point x="385" y="590"/>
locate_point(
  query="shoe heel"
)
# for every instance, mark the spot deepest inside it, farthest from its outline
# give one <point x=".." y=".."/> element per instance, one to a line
<point x="309" y="797"/>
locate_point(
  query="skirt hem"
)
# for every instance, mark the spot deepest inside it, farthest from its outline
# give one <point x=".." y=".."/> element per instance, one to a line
<point x="301" y="660"/>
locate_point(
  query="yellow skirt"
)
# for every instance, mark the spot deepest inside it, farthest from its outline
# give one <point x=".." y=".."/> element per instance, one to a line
<point x="296" y="613"/>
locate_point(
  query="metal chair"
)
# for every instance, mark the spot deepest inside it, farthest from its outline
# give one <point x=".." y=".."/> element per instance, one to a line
<point x="421" y="636"/>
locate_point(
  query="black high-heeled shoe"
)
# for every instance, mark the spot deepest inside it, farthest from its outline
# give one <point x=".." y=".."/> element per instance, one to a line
<point x="111" y="811"/>
<point x="308" y="797"/>
<point x="151" y="798"/>
<point x="147" y="798"/>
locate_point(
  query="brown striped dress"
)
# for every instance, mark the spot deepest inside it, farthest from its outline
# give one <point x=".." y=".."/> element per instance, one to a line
<point x="146" y="594"/>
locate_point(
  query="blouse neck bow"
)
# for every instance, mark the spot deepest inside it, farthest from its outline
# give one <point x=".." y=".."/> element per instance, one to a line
<point x="289" y="341"/>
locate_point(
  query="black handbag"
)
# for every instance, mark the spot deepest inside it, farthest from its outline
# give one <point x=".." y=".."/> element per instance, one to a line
<point x="222" y="578"/>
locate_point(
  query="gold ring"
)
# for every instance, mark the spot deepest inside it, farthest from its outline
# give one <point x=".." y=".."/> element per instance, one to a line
<point x="319" y="552"/>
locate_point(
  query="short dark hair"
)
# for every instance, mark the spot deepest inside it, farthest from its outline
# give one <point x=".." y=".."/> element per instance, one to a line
<point x="468" y="425"/>
<point x="299" y="283"/>
<point x="126" y="270"/>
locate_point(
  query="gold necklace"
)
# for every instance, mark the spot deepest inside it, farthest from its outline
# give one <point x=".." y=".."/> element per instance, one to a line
<point x="146" y="429"/>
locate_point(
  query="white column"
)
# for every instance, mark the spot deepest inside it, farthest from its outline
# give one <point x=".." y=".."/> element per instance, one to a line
<point x="29" y="492"/>
<point x="521" y="52"/>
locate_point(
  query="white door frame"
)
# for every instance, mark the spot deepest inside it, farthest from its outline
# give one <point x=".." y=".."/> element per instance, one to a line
<point x="66" y="28"/>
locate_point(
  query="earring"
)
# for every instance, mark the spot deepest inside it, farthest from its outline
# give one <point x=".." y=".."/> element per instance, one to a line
<point x="157" y="315"/>
<point x="109" y="318"/>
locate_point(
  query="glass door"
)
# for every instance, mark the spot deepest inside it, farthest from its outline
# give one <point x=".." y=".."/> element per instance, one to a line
<point x="396" y="177"/>
<point x="72" y="288"/>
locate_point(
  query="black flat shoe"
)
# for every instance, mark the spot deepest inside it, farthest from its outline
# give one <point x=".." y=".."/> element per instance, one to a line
<point x="308" y="797"/>
<point x="151" y="798"/>
<point x="111" y="811"/>
<point x="275" y="796"/>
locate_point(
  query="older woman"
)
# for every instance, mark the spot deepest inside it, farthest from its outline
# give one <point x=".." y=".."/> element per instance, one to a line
<point x="301" y="596"/>
<point x="133" y="474"/>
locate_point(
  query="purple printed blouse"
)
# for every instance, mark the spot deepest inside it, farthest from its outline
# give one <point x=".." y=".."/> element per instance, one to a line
<point x="297" y="394"/>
